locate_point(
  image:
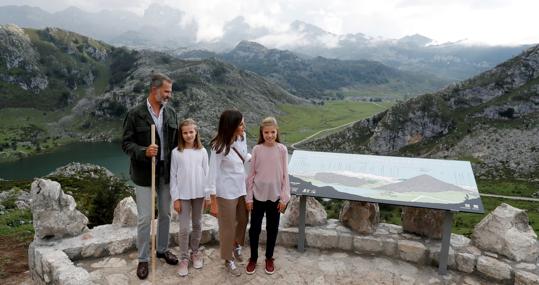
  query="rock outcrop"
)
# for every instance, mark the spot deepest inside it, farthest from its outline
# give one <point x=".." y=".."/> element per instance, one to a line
<point x="506" y="231"/>
<point x="125" y="213"/>
<point x="54" y="212"/>
<point x="490" y="119"/>
<point x="361" y="217"/>
<point x="20" y="60"/>
<point x="81" y="170"/>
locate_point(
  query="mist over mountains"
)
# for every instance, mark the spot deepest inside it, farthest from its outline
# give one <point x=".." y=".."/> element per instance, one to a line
<point x="319" y="77"/>
<point x="165" y="28"/>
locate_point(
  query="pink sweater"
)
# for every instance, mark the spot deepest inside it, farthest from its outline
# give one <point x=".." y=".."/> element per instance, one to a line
<point x="268" y="178"/>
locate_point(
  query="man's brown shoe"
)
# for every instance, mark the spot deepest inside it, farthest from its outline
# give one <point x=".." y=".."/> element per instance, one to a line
<point x="169" y="257"/>
<point x="142" y="270"/>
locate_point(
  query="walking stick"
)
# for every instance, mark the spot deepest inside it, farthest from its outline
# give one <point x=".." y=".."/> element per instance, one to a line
<point x="152" y="235"/>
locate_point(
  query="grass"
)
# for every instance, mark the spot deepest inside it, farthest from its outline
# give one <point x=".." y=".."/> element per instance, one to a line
<point x="509" y="187"/>
<point x="17" y="223"/>
<point x="301" y="121"/>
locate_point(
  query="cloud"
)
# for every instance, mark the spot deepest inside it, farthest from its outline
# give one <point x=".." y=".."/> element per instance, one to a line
<point x="489" y="21"/>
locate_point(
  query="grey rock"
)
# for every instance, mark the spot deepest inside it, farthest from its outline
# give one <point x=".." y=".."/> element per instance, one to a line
<point x="368" y="244"/>
<point x="390" y="228"/>
<point x="465" y="262"/>
<point x="361" y="217"/>
<point x="125" y="213"/>
<point x="526" y="266"/>
<point x="459" y="241"/>
<point x="54" y="213"/>
<point x="321" y="238"/>
<point x="493" y="268"/>
<point x="412" y="251"/>
<point x="526" y="278"/>
<point x="506" y="231"/>
<point x="315" y="215"/>
<point x="434" y="255"/>
<point x="390" y="247"/>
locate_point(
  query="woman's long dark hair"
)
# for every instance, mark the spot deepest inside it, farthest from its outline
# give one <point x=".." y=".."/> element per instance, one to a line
<point x="229" y="121"/>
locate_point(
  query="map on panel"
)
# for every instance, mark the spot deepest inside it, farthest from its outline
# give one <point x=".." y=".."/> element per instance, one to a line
<point x="416" y="182"/>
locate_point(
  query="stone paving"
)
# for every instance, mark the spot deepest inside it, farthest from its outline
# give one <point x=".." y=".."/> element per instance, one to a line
<point x="314" y="266"/>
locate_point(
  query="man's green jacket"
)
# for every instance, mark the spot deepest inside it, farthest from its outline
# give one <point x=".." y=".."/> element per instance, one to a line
<point x="137" y="137"/>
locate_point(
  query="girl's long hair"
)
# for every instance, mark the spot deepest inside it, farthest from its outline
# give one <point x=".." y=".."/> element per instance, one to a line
<point x="229" y="121"/>
<point x="268" y="122"/>
<point x="181" y="143"/>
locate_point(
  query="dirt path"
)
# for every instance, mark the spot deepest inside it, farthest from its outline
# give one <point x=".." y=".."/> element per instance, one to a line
<point x="14" y="261"/>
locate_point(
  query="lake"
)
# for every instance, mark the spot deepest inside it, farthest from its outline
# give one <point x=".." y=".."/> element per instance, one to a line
<point x="108" y="155"/>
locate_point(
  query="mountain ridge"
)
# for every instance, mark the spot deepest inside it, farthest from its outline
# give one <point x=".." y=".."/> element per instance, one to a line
<point x="84" y="88"/>
<point x="476" y="119"/>
<point x="410" y="53"/>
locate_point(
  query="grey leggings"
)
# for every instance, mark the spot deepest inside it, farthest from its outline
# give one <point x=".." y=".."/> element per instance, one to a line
<point x="191" y="212"/>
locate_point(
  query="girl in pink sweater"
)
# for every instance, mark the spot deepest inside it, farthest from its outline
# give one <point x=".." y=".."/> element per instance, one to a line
<point x="268" y="190"/>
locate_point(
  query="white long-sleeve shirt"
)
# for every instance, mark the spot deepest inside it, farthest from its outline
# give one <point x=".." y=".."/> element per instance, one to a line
<point x="188" y="174"/>
<point x="226" y="178"/>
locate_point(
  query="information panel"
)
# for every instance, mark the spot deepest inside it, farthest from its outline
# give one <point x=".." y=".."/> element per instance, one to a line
<point x="416" y="182"/>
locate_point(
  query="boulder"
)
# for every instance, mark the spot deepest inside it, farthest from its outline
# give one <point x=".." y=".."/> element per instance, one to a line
<point x="315" y="215"/>
<point x="423" y="222"/>
<point x="506" y="231"/>
<point x="54" y="212"/>
<point x="361" y="217"/>
<point x="125" y="213"/>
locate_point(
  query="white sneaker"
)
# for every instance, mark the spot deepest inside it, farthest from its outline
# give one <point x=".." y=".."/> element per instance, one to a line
<point x="232" y="268"/>
<point x="197" y="258"/>
<point x="183" y="268"/>
<point x="237" y="253"/>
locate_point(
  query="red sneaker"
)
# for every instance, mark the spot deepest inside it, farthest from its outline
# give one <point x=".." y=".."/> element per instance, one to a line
<point x="270" y="268"/>
<point x="251" y="267"/>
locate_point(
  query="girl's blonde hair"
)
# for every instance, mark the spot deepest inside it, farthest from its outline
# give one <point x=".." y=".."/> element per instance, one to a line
<point x="268" y="122"/>
<point x="181" y="143"/>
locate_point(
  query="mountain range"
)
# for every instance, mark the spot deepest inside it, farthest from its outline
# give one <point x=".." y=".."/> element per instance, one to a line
<point x="66" y="86"/>
<point x="491" y="119"/>
<point x="315" y="77"/>
<point x="164" y="28"/>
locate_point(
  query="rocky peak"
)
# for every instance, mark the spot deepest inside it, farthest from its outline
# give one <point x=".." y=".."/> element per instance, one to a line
<point x="247" y="49"/>
<point x="504" y="78"/>
<point x="19" y="60"/>
<point x="416" y="40"/>
<point x="77" y="44"/>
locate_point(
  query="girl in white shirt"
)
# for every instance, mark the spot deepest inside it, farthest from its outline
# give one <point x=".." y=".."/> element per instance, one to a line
<point x="188" y="173"/>
<point x="226" y="181"/>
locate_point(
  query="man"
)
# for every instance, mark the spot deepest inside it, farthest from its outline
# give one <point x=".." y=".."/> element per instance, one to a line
<point x="136" y="142"/>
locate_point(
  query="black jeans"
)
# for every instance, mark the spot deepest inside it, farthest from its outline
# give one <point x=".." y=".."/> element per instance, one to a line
<point x="272" y="226"/>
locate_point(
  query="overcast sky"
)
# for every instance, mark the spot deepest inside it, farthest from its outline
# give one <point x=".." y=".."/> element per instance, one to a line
<point x="477" y="21"/>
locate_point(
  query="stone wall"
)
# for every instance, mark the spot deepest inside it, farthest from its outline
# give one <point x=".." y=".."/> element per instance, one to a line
<point x="504" y="248"/>
<point x="52" y="262"/>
